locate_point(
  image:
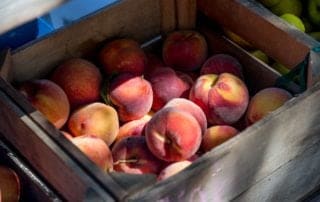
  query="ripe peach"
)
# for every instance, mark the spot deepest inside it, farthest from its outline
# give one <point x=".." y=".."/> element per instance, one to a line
<point x="133" y="128"/>
<point x="80" y="79"/>
<point x="10" y="185"/>
<point x="131" y="155"/>
<point x="190" y="107"/>
<point x="216" y="135"/>
<point x="96" y="119"/>
<point x="173" y="134"/>
<point x="131" y="95"/>
<point x="96" y="150"/>
<point x="123" y="55"/>
<point x="184" y="50"/>
<point x="48" y="98"/>
<point x="264" y="102"/>
<point x="220" y="63"/>
<point x="224" y="98"/>
<point x="166" y="85"/>
<point x="153" y="62"/>
<point x="172" y="169"/>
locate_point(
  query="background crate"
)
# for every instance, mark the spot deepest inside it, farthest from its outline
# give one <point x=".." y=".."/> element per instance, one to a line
<point x="251" y="166"/>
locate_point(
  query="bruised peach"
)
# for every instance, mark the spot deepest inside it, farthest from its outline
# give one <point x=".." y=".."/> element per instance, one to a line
<point x="190" y="107"/>
<point x="131" y="155"/>
<point x="80" y="80"/>
<point x="224" y="98"/>
<point x="264" y="102"/>
<point x="166" y="85"/>
<point x="184" y="50"/>
<point x="221" y="63"/>
<point x="48" y="98"/>
<point x="173" y="134"/>
<point x="96" y="150"/>
<point x="172" y="169"/>
<point x="131" y="95"/>
<point x="96" y="119"/>
<point x="123" y="55"/>
<point x="216" y="135"/>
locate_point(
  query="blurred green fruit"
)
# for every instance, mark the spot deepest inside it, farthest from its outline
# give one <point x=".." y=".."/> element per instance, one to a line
<point x="314" y="11"/>
<point x="260" y="55"/>
<point x="269" y="3"/>
<point x="237" y="39"/>
<point x="288" y="6"/>
<point x="293" y="20"/>
<point x="280" y="68"/>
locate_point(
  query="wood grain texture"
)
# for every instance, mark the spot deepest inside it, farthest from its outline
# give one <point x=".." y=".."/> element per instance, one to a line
<point x="168" y="15"/>
<point x="18" y="12"/>
<point x="186" y="14"/>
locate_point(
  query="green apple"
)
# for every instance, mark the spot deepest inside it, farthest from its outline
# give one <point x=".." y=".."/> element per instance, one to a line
<point x="260" y="55"/>
<point x="293" y="20"/>
<point x="237" y="39"/>
<point x="269" y="3"/>
<point x="314" y="11"/>
<point x="280" y="68"/>
<point x="287" y="6"/>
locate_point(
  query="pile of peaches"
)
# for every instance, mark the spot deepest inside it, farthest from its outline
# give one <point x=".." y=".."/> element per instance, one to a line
<point x="136" y="111"/>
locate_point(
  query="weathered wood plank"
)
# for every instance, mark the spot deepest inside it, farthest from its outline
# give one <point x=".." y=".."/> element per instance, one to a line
<point x="255" y="154"/>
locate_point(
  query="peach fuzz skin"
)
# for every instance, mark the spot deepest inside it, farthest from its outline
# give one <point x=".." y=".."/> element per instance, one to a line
<point x="222" y="63"/>
<point x="96" y="150"/>
<point x="173" y="135"/>
<point x="216" y="135"/>
<point x="123" y="55"/>
<point x="190" y="107"/>
<point x="224" y="98"/>
<point x="264" y="102"/>
<point x="184" y="50"/>
<point x="96" y="119"/>
<point x="133" y="128"/>
<point x="131" y="155"/>
<point x="131" y="95"/>
<point x="48" y="98"/>
<point x="80" y="80"/>
<point x="168" y="84"/>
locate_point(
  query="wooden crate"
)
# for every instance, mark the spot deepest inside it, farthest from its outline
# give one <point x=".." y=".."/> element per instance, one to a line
<point x="257" y="165"/>
<point x="32" y="187"/>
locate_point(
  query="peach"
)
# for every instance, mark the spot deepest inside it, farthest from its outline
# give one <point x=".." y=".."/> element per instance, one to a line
<point x="223" y="98"/>
<point x="264" y="102"/>
<point x="172" y="169"/>
<point x="48" y="98"/>
<point x="80" y="79"/>
<point x="133" y="128"/>
<point x="220" y="63"/>
<point x="153" y="62"/>
<point x="131" y="95"/>
<point x="173" y="134"/>
<point x="131" y="155"/>
<point x="184" y="50"/>
<point x="66" y="134"/>
<point x="166" y="85"/>
<point x="96" y="150"/>
<point x="216" y="135"/>
<point x="96" y="119"/>
<point x="10" y="185"/>
<point x="190" y="107"/>
<point x="123" y="55"/>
